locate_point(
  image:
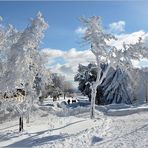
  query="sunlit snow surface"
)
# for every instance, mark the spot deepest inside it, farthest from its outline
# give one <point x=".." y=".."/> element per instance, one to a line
<point x="66" y="126"/>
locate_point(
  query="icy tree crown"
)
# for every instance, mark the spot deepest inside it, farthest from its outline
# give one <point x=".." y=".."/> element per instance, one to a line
<point x="96" y="36"/>
<point x="34" y="33"/>
<point x="21" y="51"/>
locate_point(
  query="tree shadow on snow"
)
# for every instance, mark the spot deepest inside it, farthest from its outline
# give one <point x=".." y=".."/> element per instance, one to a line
<point x="35" y="140"/>
<point x="8" y="135"/>
<point x="31" y="141"/>
<point x="78" y="104"/>
<point x="8" y="127"/>
<point x="50" y="130"/>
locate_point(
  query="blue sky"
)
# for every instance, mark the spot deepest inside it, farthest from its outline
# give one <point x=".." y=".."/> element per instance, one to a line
<point x="62" y="42"/>
<point x="63" y="18"/>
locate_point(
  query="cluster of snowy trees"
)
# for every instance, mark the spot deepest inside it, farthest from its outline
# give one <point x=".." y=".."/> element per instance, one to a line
<point x="61" y="86"/>
<point x="23" y="76"/>
<point x="118" y="59"/>
<point x="57" y="86"/>
<point x="113" y="89"/>
<point x="140" y="91"/>
<point x="23" y="72"/>
<point x="116" y="87"/>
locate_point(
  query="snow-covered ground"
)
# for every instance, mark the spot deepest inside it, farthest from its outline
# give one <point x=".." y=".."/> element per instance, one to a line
<point x="68" y="126"/>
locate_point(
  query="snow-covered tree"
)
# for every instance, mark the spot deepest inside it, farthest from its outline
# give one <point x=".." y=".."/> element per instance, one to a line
<point x="67" y="88"/>
<point x="8" y="36"/>
<point x="104" y="52"/>
<point x="24" y="62"/>
<point x="113" y="89"/>
<point x="60" y="85"/>
<point x="98" y="39"/>
<point x="85" y="76"/>
<point x="43" y="84"/>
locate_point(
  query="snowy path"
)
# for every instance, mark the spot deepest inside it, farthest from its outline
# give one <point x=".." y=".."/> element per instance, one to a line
<point x="127" y="131"/>
<point x="48" y="130"/>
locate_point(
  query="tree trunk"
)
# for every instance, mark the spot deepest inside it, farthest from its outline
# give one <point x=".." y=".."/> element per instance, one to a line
<point x="20" y="124"/>
<point x="94" y="89"/>
<point x="20" y="128"/>
<point x="93" y="97"/>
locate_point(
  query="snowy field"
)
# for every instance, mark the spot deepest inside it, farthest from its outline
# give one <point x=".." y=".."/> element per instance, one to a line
<point x="69" y="126"/>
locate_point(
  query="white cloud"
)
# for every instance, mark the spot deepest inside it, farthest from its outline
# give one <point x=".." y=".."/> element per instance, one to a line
<point x="70" y="56"/>
<point x="129" y="38"/>
<point x="66" y="69"/>
<point x="117" y="27"/>
<point x="80" y="30"/>
<point x="48" y="52"/>
<point x="73" y="57"/>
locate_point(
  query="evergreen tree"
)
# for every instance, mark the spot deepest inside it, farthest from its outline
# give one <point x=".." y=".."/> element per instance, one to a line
<point x="113" y="88"/>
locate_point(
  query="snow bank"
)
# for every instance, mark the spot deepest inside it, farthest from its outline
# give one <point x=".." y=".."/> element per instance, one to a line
<point x="110" y="110"/>
<point x="72" y="111"/>
<point x="121" y="109"/>
<point x="127" y="111"/>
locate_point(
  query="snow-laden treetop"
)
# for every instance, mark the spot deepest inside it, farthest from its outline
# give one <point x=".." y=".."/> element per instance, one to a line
<point x="19" y="56"/>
